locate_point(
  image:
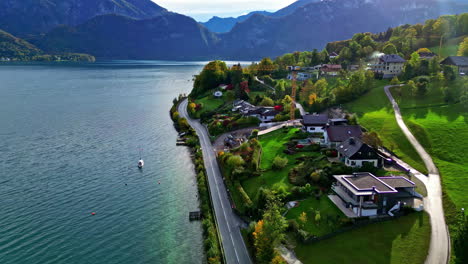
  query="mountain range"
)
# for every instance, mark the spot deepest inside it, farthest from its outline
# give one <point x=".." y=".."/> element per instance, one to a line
<point x="140" y="29"/>
<point x="223" y="25"/>
<point x="39" y="16"/>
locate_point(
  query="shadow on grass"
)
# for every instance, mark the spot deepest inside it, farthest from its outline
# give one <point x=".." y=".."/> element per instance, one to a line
<point x="403" y="240"/>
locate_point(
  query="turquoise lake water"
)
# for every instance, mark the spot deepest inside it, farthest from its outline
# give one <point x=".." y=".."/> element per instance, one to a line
<point x="69" y="145"/>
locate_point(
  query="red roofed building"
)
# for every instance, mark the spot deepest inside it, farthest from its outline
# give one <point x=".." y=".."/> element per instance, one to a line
<point x="331" y="69"/>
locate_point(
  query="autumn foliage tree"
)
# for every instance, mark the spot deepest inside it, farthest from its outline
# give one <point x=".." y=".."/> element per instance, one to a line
<point x="269" y="232"/>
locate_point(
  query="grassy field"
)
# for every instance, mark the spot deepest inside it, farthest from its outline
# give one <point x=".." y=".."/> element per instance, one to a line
<point x="272" y="146"/>
<point x="209" y="103"/>
<point x="449" y="47"/>
<point x="375" y="113"/>
<point x="401" y="241"/>
<point x="443" y="130"/>
<point x="327" y="210"/>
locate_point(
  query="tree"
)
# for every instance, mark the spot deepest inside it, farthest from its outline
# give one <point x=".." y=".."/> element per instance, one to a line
<point x="278" y="260"/>
<point x="235" y="161"/>
<point x="321" y="86"/>
<point x="192" y="107"/>
<point x="395" y="81"/>
<point x="269" y="232"/>
<point x="389" y="48"/>
<point x="315" y="176"/>
<point x="414" y="60"/>
<point x="266" y="66"/>
<point x="279" y="163"/>
<point x="303" y="218"/>
<point x="312" y="98"/>
<point x="372" y="139"/>
<point x="423" y="50"/>
<point x="346" y="53"/>
<point x="411" y="87"/>
<point x="463" y="49"/>
<point x="267" y="101"/>
<point x="317" y="217"/>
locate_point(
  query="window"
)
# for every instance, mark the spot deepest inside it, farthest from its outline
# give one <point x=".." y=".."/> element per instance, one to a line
<point x="353" y="163"/>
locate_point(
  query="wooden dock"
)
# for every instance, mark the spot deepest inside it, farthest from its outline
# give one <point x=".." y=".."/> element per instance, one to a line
<point x="194" y="216"/>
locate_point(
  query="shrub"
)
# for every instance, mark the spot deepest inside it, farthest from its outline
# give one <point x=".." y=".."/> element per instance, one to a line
<point x="279" y="163"/>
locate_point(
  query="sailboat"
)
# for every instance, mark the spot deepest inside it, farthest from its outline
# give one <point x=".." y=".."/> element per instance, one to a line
<point x="141" y="163"/>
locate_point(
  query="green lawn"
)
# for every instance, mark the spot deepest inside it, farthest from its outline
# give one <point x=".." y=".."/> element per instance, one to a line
<point x="401" y="241"/>
<point x="375" y="113"/>
<point x="449" y="47"/>
<point x="209" y="103"/>
<point x="443" y="130"/>
<point x="329" y="214"/>
<point x="273" y="145"/>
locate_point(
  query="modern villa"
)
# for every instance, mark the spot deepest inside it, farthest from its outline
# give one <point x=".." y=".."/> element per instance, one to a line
<point x="363" y="194"/>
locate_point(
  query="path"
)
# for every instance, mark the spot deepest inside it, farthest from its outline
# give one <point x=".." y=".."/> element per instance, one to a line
<point x="227" y="221"/>
<point x="439" y="249"/>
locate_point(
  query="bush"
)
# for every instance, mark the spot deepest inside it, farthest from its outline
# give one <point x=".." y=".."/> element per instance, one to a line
<point x="279" y="163"/>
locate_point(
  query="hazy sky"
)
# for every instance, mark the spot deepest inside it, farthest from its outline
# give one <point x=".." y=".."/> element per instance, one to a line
<point x="203" y="10"/>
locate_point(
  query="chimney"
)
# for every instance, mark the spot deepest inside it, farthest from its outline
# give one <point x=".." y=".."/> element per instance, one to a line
<point x="351" y="141"/>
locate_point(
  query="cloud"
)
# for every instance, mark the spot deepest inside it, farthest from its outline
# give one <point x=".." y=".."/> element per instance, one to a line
<point x="200" y="9"/>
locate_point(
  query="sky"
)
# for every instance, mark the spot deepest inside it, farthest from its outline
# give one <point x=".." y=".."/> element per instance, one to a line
<point x="202" y="10"/>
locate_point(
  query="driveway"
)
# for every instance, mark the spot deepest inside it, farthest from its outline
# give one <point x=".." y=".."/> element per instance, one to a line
<point x="228" y="222"/>
<point x="439" y="249"/>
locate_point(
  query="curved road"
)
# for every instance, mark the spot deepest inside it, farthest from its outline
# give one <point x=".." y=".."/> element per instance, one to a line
<point x="439" y="248"/>
<point x="228" y="222"/>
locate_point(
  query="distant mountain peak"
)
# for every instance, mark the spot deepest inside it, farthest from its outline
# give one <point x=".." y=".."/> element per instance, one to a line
<point x="38" y="16"/>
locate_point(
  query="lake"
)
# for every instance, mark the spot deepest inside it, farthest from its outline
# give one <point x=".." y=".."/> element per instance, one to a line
<point x="70" y="138"/>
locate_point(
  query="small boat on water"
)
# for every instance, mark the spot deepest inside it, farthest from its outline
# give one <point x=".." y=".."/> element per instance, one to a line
<point x="141" y="163"/>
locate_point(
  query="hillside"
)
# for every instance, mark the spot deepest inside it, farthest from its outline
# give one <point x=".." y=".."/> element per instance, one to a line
<point x="315" y="24"/>
<point x="13" y="47"/>
<point x="168" y="36"/>
<point x="37" y="16"/>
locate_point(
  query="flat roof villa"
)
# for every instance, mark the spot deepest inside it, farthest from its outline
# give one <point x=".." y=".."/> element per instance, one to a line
<point x="363" y="194"/>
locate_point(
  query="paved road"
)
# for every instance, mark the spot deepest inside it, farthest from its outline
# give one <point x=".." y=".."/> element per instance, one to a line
<point x="439" y="248"/>
<point x="228" y="222"/>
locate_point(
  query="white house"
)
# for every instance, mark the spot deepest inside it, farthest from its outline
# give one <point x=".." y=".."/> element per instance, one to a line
<point x="458" y="61"/>
<point x="354" y="153"/>
<point x="301" y="76"/>
<point x="388" y="65"/>
<point x="265" y="114"/>
<point x="314" y="123"/>
<point x="333" y="55"/>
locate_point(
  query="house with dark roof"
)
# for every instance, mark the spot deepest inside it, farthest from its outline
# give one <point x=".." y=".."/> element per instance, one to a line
<point x="331" y="69"/>
<point x="242" y="107"/>
<point x="427" y="55"/>
<point x="355" y="153"/>
<point x="337" y="134"/>
<point x="265" y="114"/>
<point x="363" y="194"/>
<point x="389" y="66"/>
<point x="333" y="55"/>
<point x="314" y="123"/>
<point x="459" y="61"/>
